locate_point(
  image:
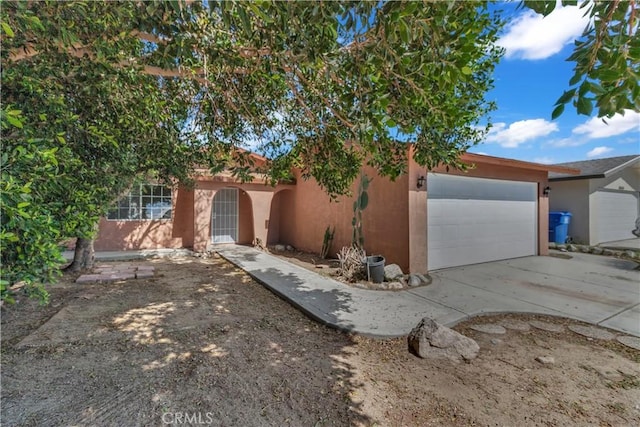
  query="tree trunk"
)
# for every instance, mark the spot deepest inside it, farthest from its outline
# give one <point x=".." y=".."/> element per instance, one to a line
<point x="83" y="256"/>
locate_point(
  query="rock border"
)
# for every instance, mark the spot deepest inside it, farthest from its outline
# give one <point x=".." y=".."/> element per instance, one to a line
<point x="590" y="332"/>
<point x="596" y="250"/>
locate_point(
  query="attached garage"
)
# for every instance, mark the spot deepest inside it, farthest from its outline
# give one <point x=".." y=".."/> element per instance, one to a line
<point x="603" y="198"/>
<point x="473" y="220"/>
<point x="614" y="215"/>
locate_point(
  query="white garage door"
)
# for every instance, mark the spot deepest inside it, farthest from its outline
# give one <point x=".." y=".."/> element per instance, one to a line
<point x="473" y="220"/>
<point x="614" y="215"/>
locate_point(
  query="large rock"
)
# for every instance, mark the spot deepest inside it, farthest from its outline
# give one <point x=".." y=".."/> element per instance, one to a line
<point x="392" y="272"/>
<point x="429" y="339"/>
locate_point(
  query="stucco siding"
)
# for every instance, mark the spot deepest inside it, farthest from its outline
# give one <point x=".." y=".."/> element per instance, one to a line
<point x="572" y="196"/>
<point x="385" y="220"/>
<point x="626" y="180"/>
<point x="176" y="232"/>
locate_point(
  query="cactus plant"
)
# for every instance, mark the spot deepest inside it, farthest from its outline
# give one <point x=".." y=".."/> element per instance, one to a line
<point x="326" y="242"/>
<point x="359" y="205"/>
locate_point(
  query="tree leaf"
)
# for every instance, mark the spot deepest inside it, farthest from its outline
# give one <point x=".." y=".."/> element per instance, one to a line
<point x="557" y="111"/>
<point x="7" y="29"/>
<point x="584" y="106"/>
<point x="566" y="97"/>
<point x="14" y="121"/>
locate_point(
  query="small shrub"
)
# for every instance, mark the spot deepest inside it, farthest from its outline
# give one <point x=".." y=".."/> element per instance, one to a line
<point x="352" y="263"/>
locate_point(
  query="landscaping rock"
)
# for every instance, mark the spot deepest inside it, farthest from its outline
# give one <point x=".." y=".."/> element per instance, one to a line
<point x="608" y="252"/>
<point x="608" y="373"/>
<point x="414" y="281"/>
<point x="549" y="327"/>
<point x="280" y="248"/>
<point x="290" y="248"/>
<point x="489" y="328"/>
<point x="86" y="278"/>
<point x="426" y="279"/>
<point x="632" y="342"/>
<point x="144" y="274"/>
<point x="496" y="341"/>
<point x="597" y="250"/>
<point x="419" y="280"/>
<point x="585" y="249"/>
<point x="392" y="272"/>
<point x="592" y="332"/>
<point x="394" y="286"/>
<point x="572" y="248"/>
<point x="546" y="360"/>
<point x="552" y="245"/>
<point x="516" y="325"/>
<point x="429" y="339"/>
<point x="562" y="248"/>
<point x="630" y="254"/>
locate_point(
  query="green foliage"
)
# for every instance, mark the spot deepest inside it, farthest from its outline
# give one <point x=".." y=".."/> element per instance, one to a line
<point x="29" y="232"/>
<point x="111" y="92"/>
<point x="84" y="132"/>
<point x="606" y="56"/>
<point x="359" y="205"/>
<point x="324" y="86"/>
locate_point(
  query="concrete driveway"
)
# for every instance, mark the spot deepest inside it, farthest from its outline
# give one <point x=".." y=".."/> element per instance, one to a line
<point x="595" y="289"/>
<point x="600" y="290"/>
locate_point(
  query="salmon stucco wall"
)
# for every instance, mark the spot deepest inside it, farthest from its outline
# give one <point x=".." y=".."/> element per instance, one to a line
<point x="151" y="234"/>
<point x="309" y="210"/>
<point x="254" y="210"/>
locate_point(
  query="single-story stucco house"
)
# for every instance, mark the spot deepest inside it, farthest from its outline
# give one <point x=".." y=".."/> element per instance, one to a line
<point x="603" y="198"/>
<point x="423" y="220"/>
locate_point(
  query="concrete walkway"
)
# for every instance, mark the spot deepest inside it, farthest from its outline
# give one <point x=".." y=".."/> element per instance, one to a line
<point x="599" y="290"/>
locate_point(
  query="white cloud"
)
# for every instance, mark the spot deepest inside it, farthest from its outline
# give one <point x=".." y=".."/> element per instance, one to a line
<point x="567" y="142"/>
<point x="617" y="125"/>
<point x="532" y="36"/>
<point x="519" y="132"/>
<point x="544" y="160"/>
<point x="599" y="151"/>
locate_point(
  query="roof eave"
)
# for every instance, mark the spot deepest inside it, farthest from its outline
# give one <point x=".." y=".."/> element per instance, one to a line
<point x="622" y="166"/>
<point x="574" y="178"/>
<point x="481" y="158"/>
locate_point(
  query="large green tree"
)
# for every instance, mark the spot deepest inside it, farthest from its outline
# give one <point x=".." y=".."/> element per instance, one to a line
<point x="606" y="57"/>
<point x="112" y="90"/>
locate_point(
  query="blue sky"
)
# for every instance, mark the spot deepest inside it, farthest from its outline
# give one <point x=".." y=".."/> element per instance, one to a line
<point x="530" y="78"/>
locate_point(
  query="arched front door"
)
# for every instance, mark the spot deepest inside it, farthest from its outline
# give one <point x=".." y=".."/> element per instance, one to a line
<point x="224" y="217"/>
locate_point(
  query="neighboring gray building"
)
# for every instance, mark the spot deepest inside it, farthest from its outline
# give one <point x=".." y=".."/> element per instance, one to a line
<point x="604" y="198"/>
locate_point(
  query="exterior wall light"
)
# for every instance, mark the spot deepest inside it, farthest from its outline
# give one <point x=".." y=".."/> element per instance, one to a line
<point x="421" y="181"/>
<point x="546" y="191"/>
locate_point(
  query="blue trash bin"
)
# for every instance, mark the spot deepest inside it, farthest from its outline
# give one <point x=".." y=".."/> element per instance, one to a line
<point x="559" y="226"/>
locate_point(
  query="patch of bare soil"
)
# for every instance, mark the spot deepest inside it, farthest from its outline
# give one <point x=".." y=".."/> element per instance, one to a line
<point x="326" y="267"/>
<point x="202" y="343"/>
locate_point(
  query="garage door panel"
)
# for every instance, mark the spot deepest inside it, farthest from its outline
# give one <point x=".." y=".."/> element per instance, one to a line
<point x="614" y="215"/>
<point x="473" y="220"/>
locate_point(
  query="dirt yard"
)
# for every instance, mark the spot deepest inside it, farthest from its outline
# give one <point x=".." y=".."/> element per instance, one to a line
<point x="202" y="344"/>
